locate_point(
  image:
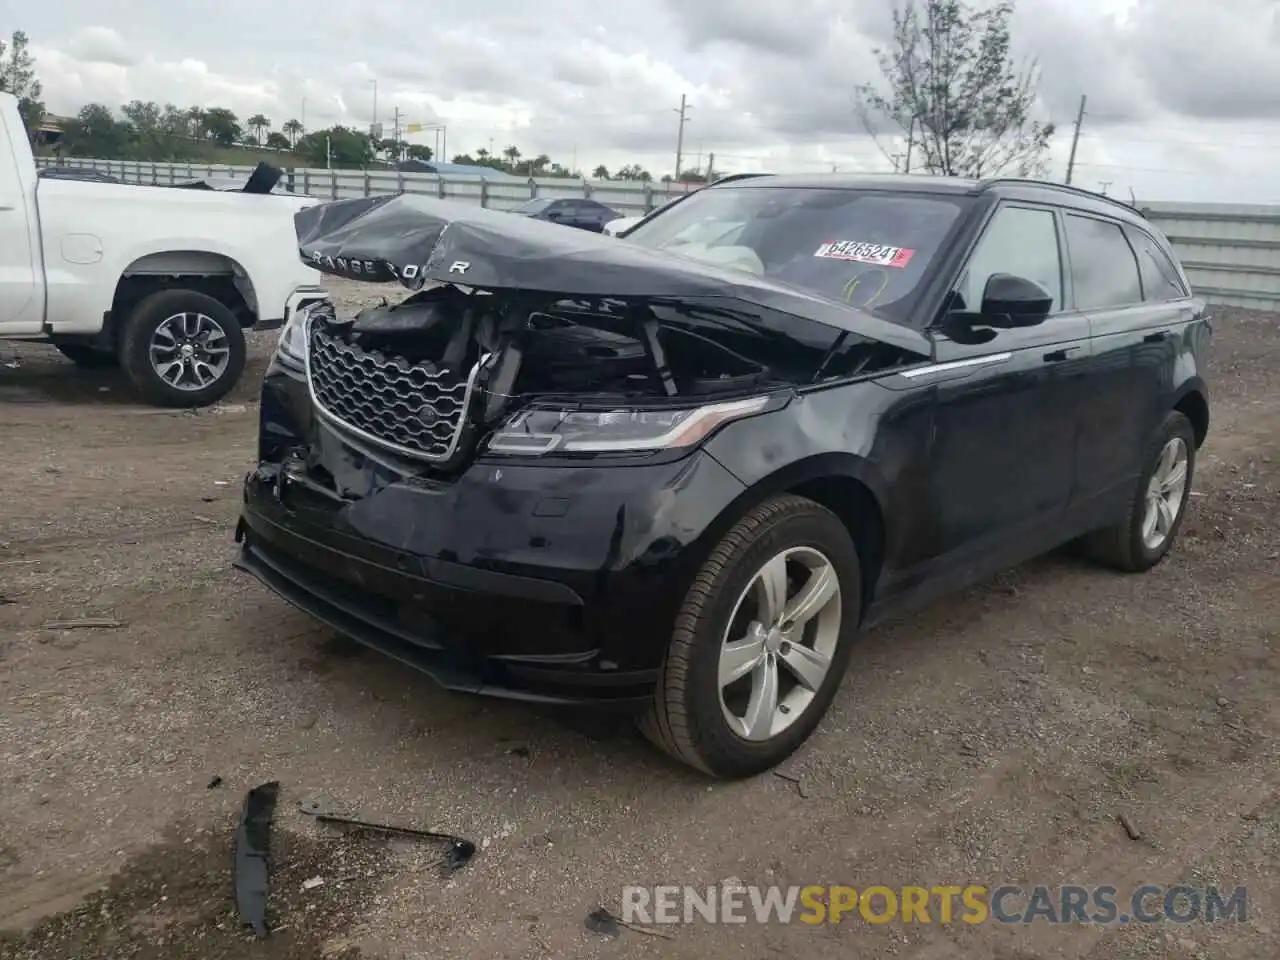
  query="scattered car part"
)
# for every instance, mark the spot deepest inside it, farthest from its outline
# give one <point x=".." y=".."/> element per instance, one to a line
<point x="459" y="850"/>
<point x="263" y="179"/>
<point x="603" y="922"/>
<point x="86" y="623"/>
<point x="252" y="847"/>
<point x="77" y="173"/>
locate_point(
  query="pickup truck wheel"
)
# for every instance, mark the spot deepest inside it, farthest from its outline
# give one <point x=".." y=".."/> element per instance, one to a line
<point x="761" y="642"/>
<point x="86" y="357"/>
<point x="181" y="348"/>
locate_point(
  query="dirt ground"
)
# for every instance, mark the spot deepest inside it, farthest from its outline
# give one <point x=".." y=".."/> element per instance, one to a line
<point x="996" y="737"/>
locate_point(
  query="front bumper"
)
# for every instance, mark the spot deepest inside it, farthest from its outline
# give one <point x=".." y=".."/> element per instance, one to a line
<point x="299" y="299"/>
<point x="551" y="584"/>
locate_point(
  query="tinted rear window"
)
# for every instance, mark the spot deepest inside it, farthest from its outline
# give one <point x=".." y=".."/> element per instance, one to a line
<point x="867" y="248"/>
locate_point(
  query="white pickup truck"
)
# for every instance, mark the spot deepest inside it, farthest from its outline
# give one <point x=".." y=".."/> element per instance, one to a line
<point x="158" y="280"/>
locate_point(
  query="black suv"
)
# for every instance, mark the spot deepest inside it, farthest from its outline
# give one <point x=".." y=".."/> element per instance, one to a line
<point x="680" y="471"/>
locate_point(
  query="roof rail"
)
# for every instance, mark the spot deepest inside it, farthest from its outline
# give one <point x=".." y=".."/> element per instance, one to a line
<point x="729" y="178"/>
<point x="1064" y="187"/>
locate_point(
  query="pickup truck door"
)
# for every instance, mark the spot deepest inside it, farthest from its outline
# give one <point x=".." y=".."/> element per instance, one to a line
<point x="21" y="275"/>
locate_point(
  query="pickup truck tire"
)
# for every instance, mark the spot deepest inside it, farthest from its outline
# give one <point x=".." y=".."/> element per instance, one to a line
<point x="88" y="358"/>
<point x="182" y="348"/>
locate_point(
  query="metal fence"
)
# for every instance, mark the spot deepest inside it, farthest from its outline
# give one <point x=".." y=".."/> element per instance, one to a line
<point x="629" y="198"/>
<point x="1231" y="252"/>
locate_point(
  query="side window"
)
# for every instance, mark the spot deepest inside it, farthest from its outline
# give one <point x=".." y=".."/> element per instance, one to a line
<point x="1020" y="241"/>
<point x="1103" y="268"/>
<point x="1160" y="280"/>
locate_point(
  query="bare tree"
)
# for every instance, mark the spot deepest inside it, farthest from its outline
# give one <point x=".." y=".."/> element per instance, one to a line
<point x="951" y="87"/>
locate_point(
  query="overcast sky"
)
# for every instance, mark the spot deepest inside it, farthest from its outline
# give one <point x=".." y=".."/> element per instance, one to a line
<point x="1183" y="96"/>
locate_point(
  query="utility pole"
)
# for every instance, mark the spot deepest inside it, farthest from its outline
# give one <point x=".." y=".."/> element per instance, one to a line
<point x="1075" y="139"/>
<point x="684" y="108"/>
<point x="395" y="134"/>
<point x="711" y="167"/>
<point x="303" y="118"/>
<point x="911" y="141"/>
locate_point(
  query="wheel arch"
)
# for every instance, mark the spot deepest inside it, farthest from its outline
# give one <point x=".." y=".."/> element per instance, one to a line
<point x="212" y="273"/>
<point x="845" y="484"/>
<point x="1192" y="401"/>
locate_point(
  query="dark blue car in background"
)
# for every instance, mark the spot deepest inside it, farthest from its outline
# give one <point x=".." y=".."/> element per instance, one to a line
<point x="583" y="214"/>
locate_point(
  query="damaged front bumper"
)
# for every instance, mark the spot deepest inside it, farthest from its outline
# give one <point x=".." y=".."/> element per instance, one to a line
<point x="512" y="580"/>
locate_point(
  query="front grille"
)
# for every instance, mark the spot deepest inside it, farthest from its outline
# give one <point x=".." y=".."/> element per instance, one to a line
<point x="415" y="409"/>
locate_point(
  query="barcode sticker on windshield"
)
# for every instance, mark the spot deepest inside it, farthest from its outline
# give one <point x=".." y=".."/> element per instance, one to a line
<point x="860" y="252"/>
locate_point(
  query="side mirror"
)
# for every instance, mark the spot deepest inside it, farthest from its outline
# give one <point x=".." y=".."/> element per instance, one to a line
<point x="1009" y="301"/>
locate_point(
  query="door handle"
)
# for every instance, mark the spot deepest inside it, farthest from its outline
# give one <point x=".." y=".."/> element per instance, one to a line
<point x="1156" y="337"/>
<point x="1057" y="356"/>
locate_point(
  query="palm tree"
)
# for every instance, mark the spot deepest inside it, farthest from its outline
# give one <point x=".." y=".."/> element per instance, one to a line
<point x="258" y="123"/>
<point x="293" y="130"/>
<point x="600" y="173"/>
<point x="512" y="153"/>
<point x="196" y="118"/>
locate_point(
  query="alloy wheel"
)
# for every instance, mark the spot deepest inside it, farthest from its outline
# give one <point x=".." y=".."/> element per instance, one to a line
<point x="189" y="351"/>
<point x="780" y="643"/>
<point x="1165" y="494"/>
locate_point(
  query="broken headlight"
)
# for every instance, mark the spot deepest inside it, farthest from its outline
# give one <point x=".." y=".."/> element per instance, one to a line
<point x="541" y="430"/>
<point x="291" y="348"/>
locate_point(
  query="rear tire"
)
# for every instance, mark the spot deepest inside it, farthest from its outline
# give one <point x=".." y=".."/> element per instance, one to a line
<point x="181" y="348"/>
<point x="741" y="618"/>
<point x="86" y="357"/>
<point x="1146" y="534"/>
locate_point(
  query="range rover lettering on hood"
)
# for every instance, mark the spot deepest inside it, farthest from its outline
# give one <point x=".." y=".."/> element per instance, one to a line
<point x="371" y="270"/>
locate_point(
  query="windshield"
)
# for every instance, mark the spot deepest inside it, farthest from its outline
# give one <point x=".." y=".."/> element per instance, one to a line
<point x="862" y="247"/>
<point x="532" y="207"/>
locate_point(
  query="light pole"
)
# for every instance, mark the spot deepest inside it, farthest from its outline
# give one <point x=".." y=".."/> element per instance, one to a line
<point x="684" y="108"/>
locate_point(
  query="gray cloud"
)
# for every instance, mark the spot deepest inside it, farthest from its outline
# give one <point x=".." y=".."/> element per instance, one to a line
<point x="769" y="83"/>
<point x="100" y="45"/>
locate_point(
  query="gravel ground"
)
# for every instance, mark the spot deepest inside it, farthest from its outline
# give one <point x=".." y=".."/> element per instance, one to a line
<point x="994" y="737"/>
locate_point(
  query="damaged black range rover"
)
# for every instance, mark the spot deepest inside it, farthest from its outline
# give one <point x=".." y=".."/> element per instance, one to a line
<point x="680" y="470"/>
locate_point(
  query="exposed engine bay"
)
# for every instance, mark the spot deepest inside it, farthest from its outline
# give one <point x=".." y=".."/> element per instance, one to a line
<point x="436" y="372"/>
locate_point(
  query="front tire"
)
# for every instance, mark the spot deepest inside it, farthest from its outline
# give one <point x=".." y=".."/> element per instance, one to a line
<point x="181" y="348"/>
<point x="761" y="642"/>
<point x="1146" y="534"/>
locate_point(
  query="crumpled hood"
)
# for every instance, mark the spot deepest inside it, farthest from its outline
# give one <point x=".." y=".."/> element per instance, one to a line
<point x="416" y="240"/>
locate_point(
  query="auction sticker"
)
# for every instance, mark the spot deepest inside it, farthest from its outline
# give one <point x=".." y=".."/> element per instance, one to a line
<point x="860" y="252"/>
